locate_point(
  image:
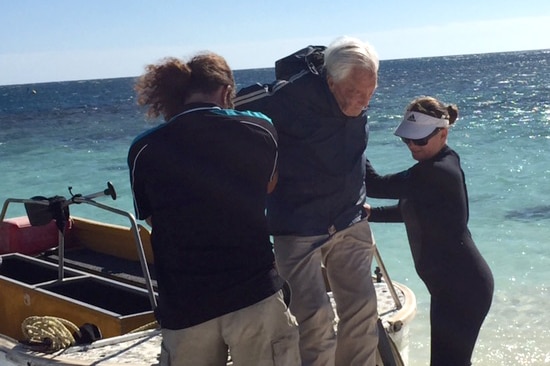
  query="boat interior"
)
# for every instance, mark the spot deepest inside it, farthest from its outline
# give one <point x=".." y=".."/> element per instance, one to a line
<point x="87" y="272"/>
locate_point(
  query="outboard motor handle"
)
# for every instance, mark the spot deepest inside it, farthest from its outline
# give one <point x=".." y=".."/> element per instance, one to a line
<point x="109" y="191"/>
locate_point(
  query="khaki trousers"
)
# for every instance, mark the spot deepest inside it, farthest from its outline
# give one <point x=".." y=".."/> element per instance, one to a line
<point x="347" y="257"/>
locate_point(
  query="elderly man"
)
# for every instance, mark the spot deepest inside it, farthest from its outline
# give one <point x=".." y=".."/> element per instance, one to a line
<point x="314" y="214"/>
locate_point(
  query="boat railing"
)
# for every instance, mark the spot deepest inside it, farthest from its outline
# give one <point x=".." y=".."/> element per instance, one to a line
<point x="60" y="204"/>
<point x="387" y="279"/>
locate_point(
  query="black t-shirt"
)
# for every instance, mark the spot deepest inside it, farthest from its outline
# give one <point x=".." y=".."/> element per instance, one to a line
<point x="203" y="177"/>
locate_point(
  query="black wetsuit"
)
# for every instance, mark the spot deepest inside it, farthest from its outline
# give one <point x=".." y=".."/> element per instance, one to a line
<point x="433" y="204"/>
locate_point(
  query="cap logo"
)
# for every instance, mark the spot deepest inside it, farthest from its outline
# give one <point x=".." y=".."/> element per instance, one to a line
<point x="411" y="118"/>
<point x="422" y="119"/>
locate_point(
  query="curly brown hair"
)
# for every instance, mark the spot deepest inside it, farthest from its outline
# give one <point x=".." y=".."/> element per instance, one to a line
<point x="166" y="85"/>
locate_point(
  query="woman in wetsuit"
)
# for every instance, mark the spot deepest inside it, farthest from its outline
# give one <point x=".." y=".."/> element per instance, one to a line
<point x="433" y="204"/>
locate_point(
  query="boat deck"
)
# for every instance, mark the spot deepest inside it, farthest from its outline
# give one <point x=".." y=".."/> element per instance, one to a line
<point x="142" y="348"/>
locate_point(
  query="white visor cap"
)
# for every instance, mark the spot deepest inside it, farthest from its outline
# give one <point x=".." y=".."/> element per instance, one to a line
<point x="416" y="125"/>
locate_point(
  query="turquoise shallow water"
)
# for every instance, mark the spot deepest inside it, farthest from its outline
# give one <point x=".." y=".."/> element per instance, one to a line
<point x="57" y="135"/>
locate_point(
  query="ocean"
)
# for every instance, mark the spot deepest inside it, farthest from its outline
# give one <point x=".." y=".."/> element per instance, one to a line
<point x="72" y="137"/>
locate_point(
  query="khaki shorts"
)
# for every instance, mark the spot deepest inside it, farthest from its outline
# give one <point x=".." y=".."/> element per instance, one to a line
<point x="263" y="334"/>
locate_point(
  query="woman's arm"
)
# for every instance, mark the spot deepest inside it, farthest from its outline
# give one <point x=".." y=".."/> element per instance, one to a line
<point x="384" y="214"/>
<point x="386" y="186"/>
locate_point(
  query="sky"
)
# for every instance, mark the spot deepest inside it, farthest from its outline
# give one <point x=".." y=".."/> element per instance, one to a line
<point x="60" y="40"/>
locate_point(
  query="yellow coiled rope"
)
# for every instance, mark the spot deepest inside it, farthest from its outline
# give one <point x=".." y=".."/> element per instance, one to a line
<point x="57" y="333"/>
<point x="152" y="325"/>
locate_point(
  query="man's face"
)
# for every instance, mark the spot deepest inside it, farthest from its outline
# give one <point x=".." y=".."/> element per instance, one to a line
<point x="353" y="93"/>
